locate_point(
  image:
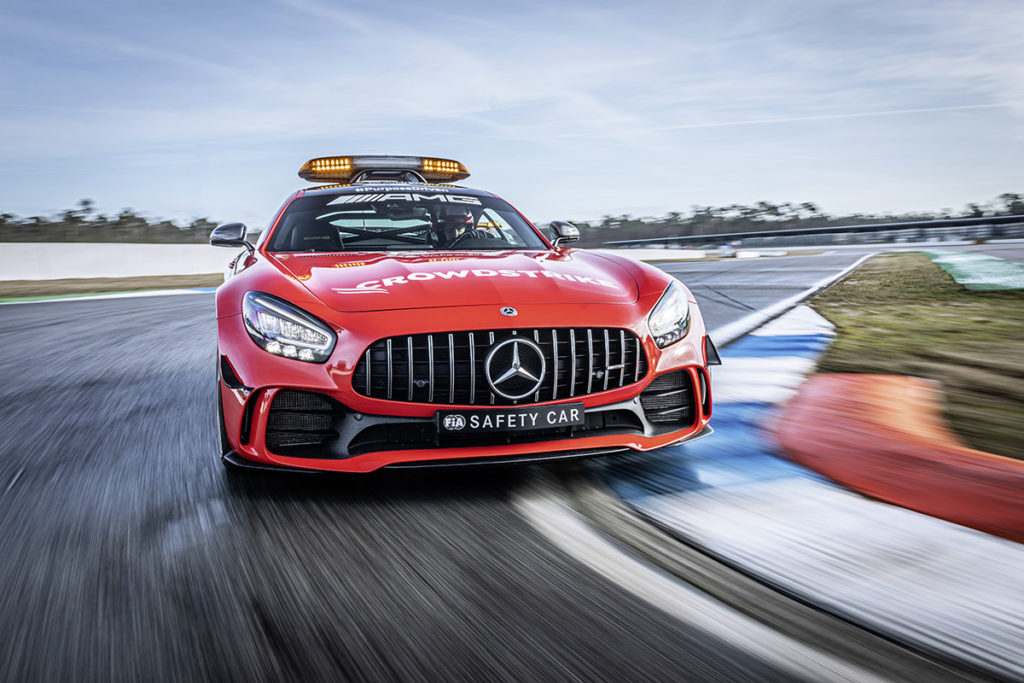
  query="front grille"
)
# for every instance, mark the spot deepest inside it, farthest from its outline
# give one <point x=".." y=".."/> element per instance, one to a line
<point x="299" y="421"/>
<point x="669" y="399"/>
<point x="448" y="367"/>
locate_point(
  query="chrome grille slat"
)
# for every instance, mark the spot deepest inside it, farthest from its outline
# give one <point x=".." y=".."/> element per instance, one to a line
<point x="636" y="373"/>
<point x="472" y="370"/>
<point x="430" y="364"/>
<point x="490" y="340"/>
<point x="451" y="368"/>
<point x="622" y="357"/>
<point x="369" y="362"/>
<point x="390" y="365"/>
<point x="536" y="338"/>
<point x="572" y="352"/>
<point x="613" y="355"/>
<point x="554" y="355"/>
<point x="607" y="360"/>
<point x="408" y="348"/>
<point x="590" y="361"/>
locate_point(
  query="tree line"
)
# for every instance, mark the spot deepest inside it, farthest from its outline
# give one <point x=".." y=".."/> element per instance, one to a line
<point x="84" y="224"/>
<point x="765" y="216"/>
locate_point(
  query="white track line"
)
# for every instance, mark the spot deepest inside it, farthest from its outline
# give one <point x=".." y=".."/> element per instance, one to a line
<point x="553" y="518"/>
<point x="736" y="329"/>
<point x="119" y="295"/>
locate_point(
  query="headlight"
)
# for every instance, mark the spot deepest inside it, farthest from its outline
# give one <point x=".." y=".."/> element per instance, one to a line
<point x="284" y="330"/>
<point x="670" y="320"/>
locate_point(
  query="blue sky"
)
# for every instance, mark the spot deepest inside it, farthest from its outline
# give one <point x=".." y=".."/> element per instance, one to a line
<point x="567" y="109"/>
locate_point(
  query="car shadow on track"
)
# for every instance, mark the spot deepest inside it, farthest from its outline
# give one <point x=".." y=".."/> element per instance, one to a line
<point x="446" y="483"/>
<point x="479" y="482"/>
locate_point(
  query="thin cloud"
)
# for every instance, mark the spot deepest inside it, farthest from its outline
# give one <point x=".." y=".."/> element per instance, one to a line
<point x="828" y="117"/>
<point x="529" y="94"/>
<point x="104" y="42"/>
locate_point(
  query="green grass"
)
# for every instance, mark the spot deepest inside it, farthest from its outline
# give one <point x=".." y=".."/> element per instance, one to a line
<point x="28" y="290"/>
<point x="901" y="314"/>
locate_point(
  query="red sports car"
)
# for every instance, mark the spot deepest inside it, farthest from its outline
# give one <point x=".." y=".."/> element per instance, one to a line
<point x="393" y="321"/>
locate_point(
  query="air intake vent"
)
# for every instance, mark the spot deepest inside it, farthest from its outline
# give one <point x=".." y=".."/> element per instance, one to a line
<point x="669" y="399"/>
<point x="300" y="420"/>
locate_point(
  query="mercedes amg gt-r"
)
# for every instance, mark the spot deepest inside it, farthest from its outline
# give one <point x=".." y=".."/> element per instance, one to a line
<point x="391" y="320"/>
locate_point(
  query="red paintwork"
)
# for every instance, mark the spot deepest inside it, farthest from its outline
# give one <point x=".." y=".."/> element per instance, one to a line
<point x="581" y="289"/>
<point x="393" y="281"/>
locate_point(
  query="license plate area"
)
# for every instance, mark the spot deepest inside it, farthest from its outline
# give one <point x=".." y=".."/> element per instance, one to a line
<point x="525" y="419"/>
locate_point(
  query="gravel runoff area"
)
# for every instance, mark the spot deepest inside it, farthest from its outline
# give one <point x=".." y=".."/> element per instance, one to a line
<point x="901" y="314"/>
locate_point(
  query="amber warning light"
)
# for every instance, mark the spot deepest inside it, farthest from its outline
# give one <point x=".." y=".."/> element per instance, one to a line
<point x="351" y="168"/>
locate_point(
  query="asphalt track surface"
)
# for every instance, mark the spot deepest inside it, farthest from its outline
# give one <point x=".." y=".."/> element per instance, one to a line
<point x="126" y="553"/>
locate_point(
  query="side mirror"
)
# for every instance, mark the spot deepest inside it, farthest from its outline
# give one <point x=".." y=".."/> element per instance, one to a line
<point x="564" y="232"/>
<point x="230" y="235"/>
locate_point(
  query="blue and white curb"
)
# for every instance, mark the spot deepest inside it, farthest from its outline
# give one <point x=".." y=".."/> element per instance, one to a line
<point x="759" y="372"/>
<point x="923" y="581"/>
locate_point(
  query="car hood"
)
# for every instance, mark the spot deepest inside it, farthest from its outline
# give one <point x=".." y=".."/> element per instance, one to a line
<point x="353" y="282"/>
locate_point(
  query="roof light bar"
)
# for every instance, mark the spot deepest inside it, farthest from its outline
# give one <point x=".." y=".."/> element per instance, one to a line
<point x="344" y="169"/>
<point x="446" y="167"/>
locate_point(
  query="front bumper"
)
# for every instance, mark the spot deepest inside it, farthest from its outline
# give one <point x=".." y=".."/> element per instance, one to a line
<point x="235" y="460"/>
<point x="264" y="396"/>
<point x="339" y="439"/>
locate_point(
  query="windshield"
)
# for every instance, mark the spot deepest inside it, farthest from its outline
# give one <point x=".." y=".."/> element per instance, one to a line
<point x="391" y="220"/>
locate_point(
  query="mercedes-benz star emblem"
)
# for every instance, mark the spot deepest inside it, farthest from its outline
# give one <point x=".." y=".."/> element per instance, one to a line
<point x="514" y="368"/>
<point x="509" y="311"/>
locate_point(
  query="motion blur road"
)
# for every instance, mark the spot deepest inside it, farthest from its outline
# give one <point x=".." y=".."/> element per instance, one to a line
<point x="126" y="553"/>
<point x="1008" y="251"/>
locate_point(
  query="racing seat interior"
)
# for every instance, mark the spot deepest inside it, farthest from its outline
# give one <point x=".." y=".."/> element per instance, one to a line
<point x="315" y="236"/>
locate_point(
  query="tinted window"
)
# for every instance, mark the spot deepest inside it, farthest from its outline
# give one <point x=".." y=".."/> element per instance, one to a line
<point x="398" y="220"/>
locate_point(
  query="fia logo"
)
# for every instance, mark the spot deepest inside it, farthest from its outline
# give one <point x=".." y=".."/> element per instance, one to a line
<point x="454" y="423"/>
